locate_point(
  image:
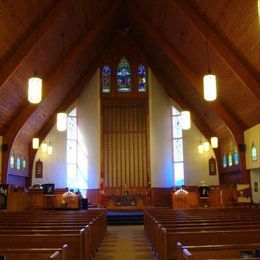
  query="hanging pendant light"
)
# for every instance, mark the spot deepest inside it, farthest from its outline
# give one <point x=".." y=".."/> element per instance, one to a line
<point x="209" y="80"/>
<point x="210" y="87"/>
<point x="44" y="146"/>
<point x="35" y="90"/>
<point x="61" y="121"/>
<point x="49" y="149"/>
<point x="35" y="143"/>
<point x="185" y="119"/>
<point x="214" y="142"/>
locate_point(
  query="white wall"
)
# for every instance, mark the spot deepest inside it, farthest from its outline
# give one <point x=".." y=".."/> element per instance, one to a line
<point x="196" y="165"/>
<point x="252" y="135"/>
<point x="54" y="167"/>
<point x="160" y="135"/>
<point x="255" y="180"/>
<point x="89" y="125"/>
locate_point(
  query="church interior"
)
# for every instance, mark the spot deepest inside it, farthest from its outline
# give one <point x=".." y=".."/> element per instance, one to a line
<point x="120" y="116"/>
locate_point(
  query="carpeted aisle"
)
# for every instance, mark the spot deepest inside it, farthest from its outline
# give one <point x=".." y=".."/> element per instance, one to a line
<point x="124" y="243"/>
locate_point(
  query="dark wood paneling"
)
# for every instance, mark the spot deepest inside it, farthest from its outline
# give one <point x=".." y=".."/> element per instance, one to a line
<point x="124" y="143"/>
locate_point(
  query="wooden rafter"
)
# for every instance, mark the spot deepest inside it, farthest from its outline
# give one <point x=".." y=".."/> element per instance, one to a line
<point x="23" y="49"/>
<point x="232" y="60"/>
<point x="184" y="68"/>
<point x="17" y="124"/>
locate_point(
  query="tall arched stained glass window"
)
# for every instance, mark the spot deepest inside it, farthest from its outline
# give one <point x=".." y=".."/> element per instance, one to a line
<point x="11" y="161"/>
<point x="123" y="76"/>
<point x="106" y="79"/>
<point x="230" y="162"/>
<point x="224" y="161"/>
<point x="236" y="157"/>
<point x="18" y="163"/>
<point x="253" y="152"/>
<point x="177" y="144"/>
<point x="141" y="83"/>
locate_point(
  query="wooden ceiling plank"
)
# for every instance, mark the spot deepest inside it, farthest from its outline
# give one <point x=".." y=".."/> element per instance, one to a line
<point x="184" y="68"/>
<point x="17" y="124"/>
<point x="238" y="67"/>
<point x="8" y="68"/>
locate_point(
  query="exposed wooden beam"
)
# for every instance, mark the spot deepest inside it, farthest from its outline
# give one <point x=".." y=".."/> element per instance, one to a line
<point x="164" y="46"/>
<point x="239" y="68"/>
<point x="28" y="43"/>
<point x="100" y="27"/>
<point x="66" y="102"/>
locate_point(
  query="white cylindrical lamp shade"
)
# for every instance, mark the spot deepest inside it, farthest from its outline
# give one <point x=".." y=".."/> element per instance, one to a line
<point x="35" y="90"/>
<point x="61" y="121"/>
<point x="49" y="149"/>
<point x="214" y="142"/>
<point x="200" y="148"/>
<point x="206" y="146"/>
<point x="35" y="143"/>
<point x="44" y="147"/>
<point x="185" y="120"/>
<point x="210" y="87"/>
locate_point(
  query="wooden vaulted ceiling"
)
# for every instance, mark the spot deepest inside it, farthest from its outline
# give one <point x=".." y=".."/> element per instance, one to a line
<point x="171" y="33"/>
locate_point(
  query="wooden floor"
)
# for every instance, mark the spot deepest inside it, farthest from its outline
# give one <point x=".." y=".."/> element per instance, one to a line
<point x="125" y="243"/>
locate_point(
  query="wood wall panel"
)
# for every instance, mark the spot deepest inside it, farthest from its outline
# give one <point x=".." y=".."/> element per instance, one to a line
<point x="124" y="144"/>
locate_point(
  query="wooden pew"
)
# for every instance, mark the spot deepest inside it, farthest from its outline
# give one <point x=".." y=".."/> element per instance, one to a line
<point x="162" y="226"/>
<point x="75" y="242"/>
<point x="35" y="253"/>
<point x="67" y="222"/>
<point x="167" y="248"/>
<point x="223" y="251"/>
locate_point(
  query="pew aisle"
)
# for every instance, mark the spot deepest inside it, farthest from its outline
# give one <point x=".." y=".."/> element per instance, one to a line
<point x="124" y="243"/>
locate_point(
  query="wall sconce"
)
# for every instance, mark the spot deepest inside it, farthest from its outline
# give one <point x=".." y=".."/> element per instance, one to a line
<point x="49" y="149"/>
<point x="44" y="146"/>
<point x="200" y="149"/>
<point x="206" y="146"/>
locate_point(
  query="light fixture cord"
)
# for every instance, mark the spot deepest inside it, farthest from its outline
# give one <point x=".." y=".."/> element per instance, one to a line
<point x="206" y="35"/>
<point x="37" y="40"/>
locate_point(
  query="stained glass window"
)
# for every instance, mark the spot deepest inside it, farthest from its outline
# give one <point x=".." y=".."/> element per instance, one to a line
<point x="24" y="164"/>
<point x="106" y="79"/>
<point x="76" y="157"/>
<point x="123" y="76"/>
<point x="224" y="161"/>
<point x="236" y="157"/>
<point x="141" y="84"/>
<point x="253" y="152"/>
<point x="177" y="144"/>
<point x="18" y="163"/>
<point x="230" y="159"/>
<point x="11" y="163"/>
